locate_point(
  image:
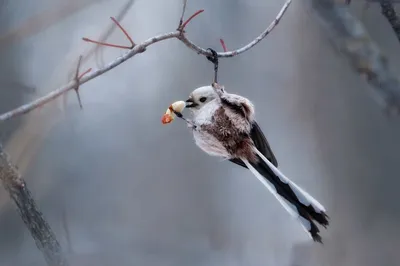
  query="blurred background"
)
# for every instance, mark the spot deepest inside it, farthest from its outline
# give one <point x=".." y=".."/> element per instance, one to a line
<point x="118" y="188"/>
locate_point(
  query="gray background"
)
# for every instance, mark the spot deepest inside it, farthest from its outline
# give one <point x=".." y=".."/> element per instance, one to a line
<point x="134" y="192"/>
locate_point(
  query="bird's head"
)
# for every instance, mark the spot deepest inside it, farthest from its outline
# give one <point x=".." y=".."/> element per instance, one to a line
<point x="200" y="96"/>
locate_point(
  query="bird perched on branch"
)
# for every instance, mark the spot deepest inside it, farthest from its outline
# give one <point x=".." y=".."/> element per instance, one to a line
<point x="224" y="125"/>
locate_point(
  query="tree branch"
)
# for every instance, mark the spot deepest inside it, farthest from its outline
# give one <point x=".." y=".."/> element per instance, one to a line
<point x="243" y="49"/>
<point x="139" y="48"/>
<point x="350" y="36"/>
<point x="390" y="14"/>
<point x="40" y="230"/>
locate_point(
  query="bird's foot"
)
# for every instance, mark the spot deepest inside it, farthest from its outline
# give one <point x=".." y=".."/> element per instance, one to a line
<point x="214" y="59"/>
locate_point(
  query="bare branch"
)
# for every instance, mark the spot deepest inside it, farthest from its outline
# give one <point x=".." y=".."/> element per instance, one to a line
<point x="243" y="49"/>
<point x="124" y="31"/>
<point x="140" y="48"/>
<point x="183" y="14"/>
<point x="390" y="14"/>
<point x="123" y="11"/>
<point x="351" y="37"/>
<point x="114" y="45"/>
<point x="77" y="82"/>
<point x="40" y="230"/>
<point x="96" y="50"/>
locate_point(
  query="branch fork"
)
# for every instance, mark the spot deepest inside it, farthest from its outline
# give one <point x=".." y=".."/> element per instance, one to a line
<point x="134" y="49"/>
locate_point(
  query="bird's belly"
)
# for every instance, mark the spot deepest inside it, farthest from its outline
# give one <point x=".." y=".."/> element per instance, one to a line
<point x="210" y="144"/>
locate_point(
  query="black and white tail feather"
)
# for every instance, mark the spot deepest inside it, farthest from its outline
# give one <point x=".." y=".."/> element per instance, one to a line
<point x="295" y="200"/>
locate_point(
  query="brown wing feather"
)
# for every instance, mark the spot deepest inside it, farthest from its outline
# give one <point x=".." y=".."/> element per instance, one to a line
<point x="261" y="144"/>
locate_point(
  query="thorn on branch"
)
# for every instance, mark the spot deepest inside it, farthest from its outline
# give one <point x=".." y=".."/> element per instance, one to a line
<point x="214" y="59"/>
<point x="114" y="45"/>
<point x="77" y="79"/>
<point x="223" y="45"/>
<point x="182" y="26"/>
<point x="124" y="31"/>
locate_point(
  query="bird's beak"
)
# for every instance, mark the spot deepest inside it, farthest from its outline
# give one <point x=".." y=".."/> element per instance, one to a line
<point x="190" y="103"/>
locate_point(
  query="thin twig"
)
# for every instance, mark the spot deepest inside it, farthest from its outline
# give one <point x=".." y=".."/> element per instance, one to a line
<point x="77" y="82"/>
<point x="84" y="73"/>
<point x="139" y="48"/>
<point x="106" y="44"/>
<point x="114" y="45"/>
<point x="183" y="14"/>
<point x="223" y="45"/>
<point x="182" y="27"/>
<point x="123" y="11"/>
<point x="243" y="49"/>
<point x="124" y="31"/>
<point x="97" y="49"/>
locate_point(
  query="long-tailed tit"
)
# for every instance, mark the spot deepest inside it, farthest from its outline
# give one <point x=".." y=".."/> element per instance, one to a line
<point x="224" y="125"/>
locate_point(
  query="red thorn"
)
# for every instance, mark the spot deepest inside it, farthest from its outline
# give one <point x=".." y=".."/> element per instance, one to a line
<point x="84" y="73"/>
<point x="124" y="31"/>
<point x="107" y="44"/>
<point x="223" y="45"/>
<point x="190" y="18"/>
<point x="114" y="45"/>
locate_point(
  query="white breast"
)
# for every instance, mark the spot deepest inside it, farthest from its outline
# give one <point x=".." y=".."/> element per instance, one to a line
<point x="204" y="140"/>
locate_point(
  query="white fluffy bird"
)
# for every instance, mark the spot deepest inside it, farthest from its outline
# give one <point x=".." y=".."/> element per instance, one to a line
<point x="224" y="125"/>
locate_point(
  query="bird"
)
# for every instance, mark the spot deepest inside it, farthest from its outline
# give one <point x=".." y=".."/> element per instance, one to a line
<point x="224" y="125"/>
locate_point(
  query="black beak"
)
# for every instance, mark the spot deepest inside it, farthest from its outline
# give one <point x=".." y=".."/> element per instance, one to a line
<point x="190" y="103"/>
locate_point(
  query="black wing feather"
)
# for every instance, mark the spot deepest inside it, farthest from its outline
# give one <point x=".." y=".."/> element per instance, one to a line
<point x="261" y="144"/>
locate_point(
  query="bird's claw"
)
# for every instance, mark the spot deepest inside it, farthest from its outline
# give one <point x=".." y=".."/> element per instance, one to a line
<point x="214" y="57"/>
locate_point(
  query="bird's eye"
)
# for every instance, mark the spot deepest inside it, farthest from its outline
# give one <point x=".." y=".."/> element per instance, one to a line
<point x="203" y="99"/>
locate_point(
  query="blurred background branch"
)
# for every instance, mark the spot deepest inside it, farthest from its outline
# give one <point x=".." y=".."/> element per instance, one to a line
<point x="350" y="36"/>
<point x="24" y="143"/>
<point x="42" y="21"/>
<point x="389" y="12"/>
<point x="40" y="230"/>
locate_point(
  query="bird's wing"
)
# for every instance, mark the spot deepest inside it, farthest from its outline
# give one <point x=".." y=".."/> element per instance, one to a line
<point x="261" y="144"/>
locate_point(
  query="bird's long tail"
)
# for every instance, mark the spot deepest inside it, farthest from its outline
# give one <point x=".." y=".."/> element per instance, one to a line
<point x="295" y="200"/>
